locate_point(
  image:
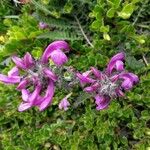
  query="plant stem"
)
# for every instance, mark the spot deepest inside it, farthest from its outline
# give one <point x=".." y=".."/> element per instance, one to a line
<point x="145" y="61"/>
<point x="83" y="33"/>
<point x="139" y="13"/>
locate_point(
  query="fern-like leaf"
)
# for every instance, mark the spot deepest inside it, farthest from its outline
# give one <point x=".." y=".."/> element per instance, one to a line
<point x="59" y="35"/>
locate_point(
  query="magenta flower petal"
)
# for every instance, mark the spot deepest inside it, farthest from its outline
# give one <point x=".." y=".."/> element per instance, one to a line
<point x="103" y="104"/>
<point x="58" y="57"/>
<point x="127" y="84"/>
<point x="24" y="106"/>
<point x="84" y="79"/>
<point x="114" y="78"/>
<point x="96" y="72"/>
<point x="35" y="94"/>
<point x="28" y="60"/>
<point x="95" y="86"/>
<point x="25" y="95"/>
<point x="9" y="80"/>
<point x="19" y="62"/>
<point x="98" y="99"/>
<point x="87" y="73"/>
<point x="38" y="101"/>
<point x="34" y="80"/>
<point x="50" y="74"/>
<point x="64" y="104"/>
<point x="129" y="80"/>
<point x="45" y="103"/>
<point x="134" y="78"/>
<point x="119" y="92"/>
<point x="89" y="89"/>
<point x="56" y="45"/>
<point x="92" y="88"/>
<point x="47" y="99"/>
<point x="119" y="65"/>
<point x="22" y="84"/>
<point x="119" y="56"/>
<point x="116" y="63"/>
<point x="13" y="72"/>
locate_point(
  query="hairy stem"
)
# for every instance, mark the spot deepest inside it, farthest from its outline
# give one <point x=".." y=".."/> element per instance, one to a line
<point x="83" y="33"/>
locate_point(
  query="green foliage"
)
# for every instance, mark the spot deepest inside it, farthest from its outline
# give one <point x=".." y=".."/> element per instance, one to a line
<point x="59" y="28"/>
<point x="115" y="17"/>
<point x="6" y="10"/>
<point x="111" y="26"/>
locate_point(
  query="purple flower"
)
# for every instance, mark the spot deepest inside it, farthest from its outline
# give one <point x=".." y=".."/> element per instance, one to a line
<point x="116" y="63"/>
<point x="25" y="63"/>
<point x="54" y="51"/>
<point x="102" y="101"/>
<point x="43" y="25"/>
<point x="13" y="76"/>
<point x="129" y="79"/>
<point x="111" y="83"/>
<point x="85" y="77"/>
<point x="64" y="103"/>
<point x="37" y="84"/>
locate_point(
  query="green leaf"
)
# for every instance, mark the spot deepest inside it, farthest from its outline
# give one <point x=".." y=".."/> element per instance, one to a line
<point x="114" y="3"/>
<point x="111" y="13"/>
<point x="37" y="52"/>
<point x="106" y="36"/>
<point x="135" y="1"/>
<point x="133" y="63"/>
<point x="97" y="12"/>
<point x="104" y="29"/>
<point x="61" y="35"/>
<point x="139" y="38"/>
<point x="126" y="11"/>
<point x="41" y="7"/>
<point x="68" y="7"/>
<point x="145" y="115"/>
<point x="96" y="24"/>
<point x="128" y="29"/>
<point x="75" y="141"/>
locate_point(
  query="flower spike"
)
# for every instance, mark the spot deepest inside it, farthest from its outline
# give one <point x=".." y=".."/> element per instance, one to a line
<point x="109" y="84"/>
<point x="38" y="75"/>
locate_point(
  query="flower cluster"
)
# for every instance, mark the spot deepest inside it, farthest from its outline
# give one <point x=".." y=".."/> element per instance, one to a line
<point x="38" y="79"/>
<point x="110" y="83"/>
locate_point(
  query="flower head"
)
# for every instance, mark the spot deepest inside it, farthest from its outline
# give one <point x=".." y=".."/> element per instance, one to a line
<point x="37" y="82"/>
<point x="111" y="83"/>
